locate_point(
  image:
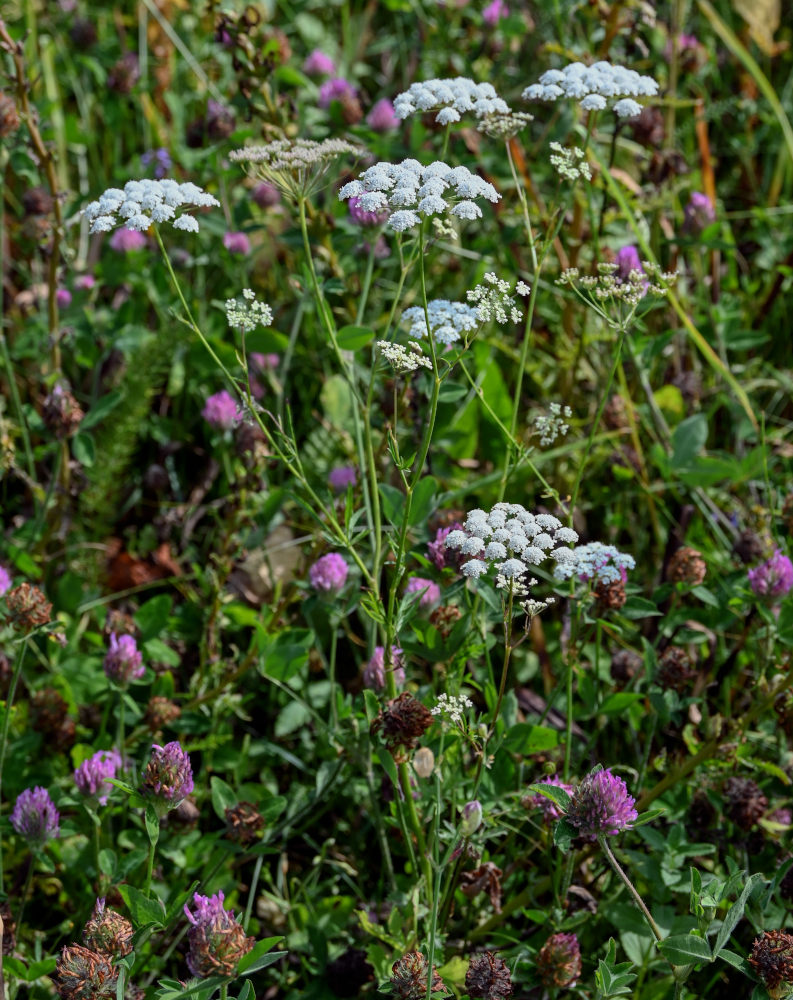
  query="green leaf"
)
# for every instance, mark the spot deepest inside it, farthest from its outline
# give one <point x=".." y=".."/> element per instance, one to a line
<point x="639" y="607"/>
<point x="784" y="624"/>
<point x="393" y="503"/>
<point x="223" y="796"/>
<point x="41" y="968"/>
<point x="291" y="717"/>
<point x="563" y="832"/>
<point x="143" y="910"/>
<point x="688" y="439"/>
<point x="525" y="738"/>
<point x="557" y="795"/>
<point x="16" y="967"/>
<point x="617" y="702"/>
<point x="246" y="993"/>
<point x="152" y="824"/>
<point x="259" y="957"/>
<point x="353" y="338"/>
<point x="737" y="961"/>
<point x="152" y="617"/>
<point x="647" y="817"/>
<point x="103" y="408"/>
<point x="285" y="655"/>
<point x="685" y="949"/>
<point x="84" y="449"/>
<point x="423" y="502"/>
<point x="107" y="862"/>
<point x="735" y="912"/>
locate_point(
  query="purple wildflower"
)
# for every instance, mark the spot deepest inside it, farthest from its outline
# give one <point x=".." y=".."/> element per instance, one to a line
<point x="35" y="817"/>
<point x="361" y="217"/>
<point x="627" y="261"/>
<point x="84" y="282"/>
<point x="217" y="940"/>
<point x="431" y="595"/>
<point x="601" y="805"/>
<point x="494" y="11"/>
<point x="266" y="195"/>
<point x="221" y="411"/>
<point x="382" y="118"/>
<point x="559" y="961"/>
<point x="773" y="578"/>
<point x="123" y="661"/>
<point x="336" y="89"/>
<point x="5" y="579"/>
<point x="318" y="63"/>
<point x="265" y="362"/>
<point x="91" y="776"/>
<point x="168" y="777"/>
<point x="551" y="812"/>
<point x="699" y="213"/>
<point x="126" y="240"/>
<point x="237" y="243"/>
<point x="341" y="477"/>
<point x="438" y="552"/>
<point x="160" y="158"/>
<point x="63" y="297"/>
<point x="374" y="670"/>
<point x="329" y="573"/>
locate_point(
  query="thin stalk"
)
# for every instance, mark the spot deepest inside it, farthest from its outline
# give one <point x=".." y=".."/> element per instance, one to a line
<point x="149" y="866"/>
<point x="596" y="423"/>
<point x="334" y="712"/>
<point x="436" y="895"/>
<point x="629" y="886"/>
<point x="6" y="723"/>
<point x="25" y="891"/>
<point x="257" y="870"/>
<point x="224" y="991"/>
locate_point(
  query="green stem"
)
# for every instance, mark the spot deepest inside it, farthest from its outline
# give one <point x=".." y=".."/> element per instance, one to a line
<point x="629" y="886"/>
<point x="149" y="866"/>
<point x="252" y="891"/>
<point x="596" y="423"/>
<point x="25" y="891"/>
<point x="6" y="723"/>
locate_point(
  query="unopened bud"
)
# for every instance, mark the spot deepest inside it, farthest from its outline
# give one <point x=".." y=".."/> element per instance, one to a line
<point x="471" y="818"/>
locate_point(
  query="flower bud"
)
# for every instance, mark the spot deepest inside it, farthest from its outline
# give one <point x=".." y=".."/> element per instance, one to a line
<point x="471" y="818"/>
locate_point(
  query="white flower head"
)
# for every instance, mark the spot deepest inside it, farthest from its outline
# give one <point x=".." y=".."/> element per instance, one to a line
<point x="417" y="192"/>
<point x="494" y="301"/>
<point x="451" y="98"/>
<point x="142" y="203"/>
<point x="402" y="360"/>
<point x="593" y="562"/>
<point x="594" y="87"/>
<point x="249" y="313"/>
<point x="448" y="320"/>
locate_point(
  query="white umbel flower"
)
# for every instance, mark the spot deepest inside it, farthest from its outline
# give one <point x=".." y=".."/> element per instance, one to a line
<point x="594" y="87"/>
<point x="249" y="313"/>
<point x="402" y="360"/>
<point x="143" y="202"/>
<point x="453" y="97"/>
<point x="448" y="320"/>
<point x="418" y="191"/>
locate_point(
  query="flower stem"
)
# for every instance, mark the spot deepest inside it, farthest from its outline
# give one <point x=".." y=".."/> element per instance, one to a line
<point x="6" y="723"/>
<point x="629" y="886"/>
<point x="25" y="891"/>
<point x="257" y="870"/>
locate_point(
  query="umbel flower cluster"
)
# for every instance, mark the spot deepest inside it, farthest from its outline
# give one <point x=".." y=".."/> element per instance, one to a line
<point x="593" y="562"/>
<point x="249" y="313"/>
<point x="142" y="203"/>
<point x="594" y="86"/>
<point x="414" y="191"/>
<point x="493" y="299"/>
<point x="402" y="360"/>
<point x="297" y="167"/>
<point x="453" y="97"/>
<point x="448" y="320"/>
<point x="510" y="538"/>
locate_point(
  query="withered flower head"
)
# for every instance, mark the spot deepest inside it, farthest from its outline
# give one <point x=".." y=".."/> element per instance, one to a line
<point x="161" y="711"/>
<point x="403" y="722"/>
<point x="9" y="117"/>
<point x="488" y="977"/>
<point x="107" y="932"/>
<point x="559" y="961"/>
<point x="27" y="607"/>
<point x="243" y="823"/>
<point x="409" y="977"/>
<point x="686" y="566"/>
<point x="674" y="669"/>
<point x="85" y="975"/>
<point x="485" y="878"/>
<point x="772" y="960"/>
<point x="217" y="940"/>
<point x="745" y="803"/>
<point x="61" y="413"/>
<point x="611" y="596"/>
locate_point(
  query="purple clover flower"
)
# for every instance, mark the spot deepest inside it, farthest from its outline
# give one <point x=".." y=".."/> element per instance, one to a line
<point x="266" y="195"/>
<point x="494" y="11"/>
<point x="217" y="940"/>
<point x="91" y="776"/>
<point x="329" y="573"/>
<point x="5" y="579"/>
<point x="220" y="411"/>
<point x="84" y="282"/>
<point x="382" y="117"/>
<point x="374" y="670"/>
<point x="601" y="805"/>
<point x="35" y="817"/>
<point x="123" y="661"/>
<point x="361" y="217"/>
<point x="628" y="260"/>
<point x="438" y="552"/>
<point x="319" y="63"/>
<point x="237" y="243"/>
<point x="551" y="812"/>
<point x="336" y="89"/>
<point x="341" y="477"/>
<point x="160" y="158"/>
<point x="773" y="578"/>
<point x="126" y="240"/>
<point x="431" y="595"/>
<point x="699" y="213"/>
<point x="168" y="777"/>
<point x="63" y="297"/>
